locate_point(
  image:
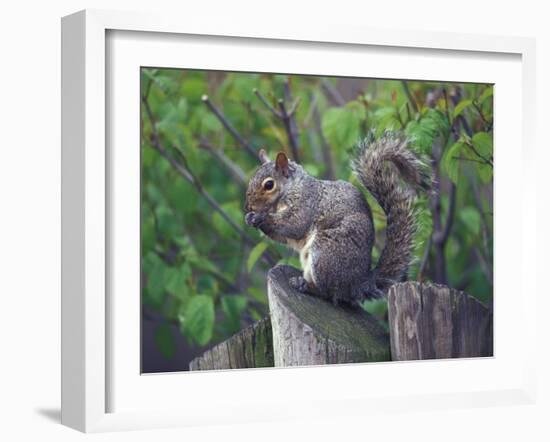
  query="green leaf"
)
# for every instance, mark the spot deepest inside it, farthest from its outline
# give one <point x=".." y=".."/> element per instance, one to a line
<point x="167" y="222"/>
<point x="486" y="94"/>
<point x="155" y="281"/>
<point x="385" y="119"/>
<point x="232" y="306"/>
<point x="471" y="218"/>
<point x="485" y="172"/>
<point x="203" y="263"/>
<point x="177" y="280"/>
<point x="460" y="107"/>
<point x="258" y="294"/>
<point x="234" y="211"/>
<point x="451" y="164"/>
<point x="193" y="88"/>
<point x="292" y="260"/>
<point x="210" y="124"/>
<point x="255" y="254"/>
<point x="165" y="83"/>
<point x="376" y="307"/>
<point x="483" y="144"/>
<point x="164" y="340"/>
<point x="239" y="87"/>
<point x="197" y="321"/>
<point x="439" y="119"/>
<point x="312" y="169"/>
<point x="340" y="127"/>
<point x="423" y="133"/>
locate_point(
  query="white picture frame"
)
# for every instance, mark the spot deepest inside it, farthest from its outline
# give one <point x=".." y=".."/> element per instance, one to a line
<point x="87" y="355"/>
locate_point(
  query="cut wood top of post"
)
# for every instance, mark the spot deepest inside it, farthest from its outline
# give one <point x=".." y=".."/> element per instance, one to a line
<point x="349" y="328"/>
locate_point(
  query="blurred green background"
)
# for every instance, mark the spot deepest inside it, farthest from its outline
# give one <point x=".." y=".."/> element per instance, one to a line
<point x="203" y="270"/>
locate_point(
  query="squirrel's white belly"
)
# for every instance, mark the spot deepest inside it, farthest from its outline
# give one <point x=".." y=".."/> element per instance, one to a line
<point x="306" y="258"/>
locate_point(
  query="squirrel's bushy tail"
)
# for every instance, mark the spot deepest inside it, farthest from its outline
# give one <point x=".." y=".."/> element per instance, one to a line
<point x="392" y="173"/>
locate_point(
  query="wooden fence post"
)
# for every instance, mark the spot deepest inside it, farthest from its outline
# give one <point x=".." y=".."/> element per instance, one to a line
<point x="311" y="331"/>
<point x="250" y="348"/>
<point x="426" y="321"/>
<point x="429" y="321"/>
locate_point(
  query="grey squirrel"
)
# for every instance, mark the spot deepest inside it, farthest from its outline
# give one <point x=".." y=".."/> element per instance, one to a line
<point x="330" y="223"/>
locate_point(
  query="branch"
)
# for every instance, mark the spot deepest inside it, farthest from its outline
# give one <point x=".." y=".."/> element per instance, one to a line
<point x="332" y="93"/>
<point x="286" y="116"/>
<point x="234" y="169"/>
<point x="484" y="229"/>
<point x="468" y="159"/>
<point x="485" y="267"/>
<point x="294" y="106"/>
<point x="325" y="148"/>
<point x="440" y="275"/>
<point x="442" y="237"/>
<point x="290" y="130"/>
<point x="424" y="261"/>
<point x="267" y="104"/>
<point x="487" y="124"/>
<point x="409" y="95"/>
<point x="238" y="137"/>
<point x="481" y="157"/>
<point x="447" y="113"/>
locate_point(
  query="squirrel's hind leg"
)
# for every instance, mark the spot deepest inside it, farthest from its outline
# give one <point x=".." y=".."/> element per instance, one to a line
<point x="367" y="290"/>
<point x="300" y="284"/>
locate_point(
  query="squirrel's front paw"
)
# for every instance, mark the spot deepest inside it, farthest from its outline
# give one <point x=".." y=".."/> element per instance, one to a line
<point x="299" y="283"/>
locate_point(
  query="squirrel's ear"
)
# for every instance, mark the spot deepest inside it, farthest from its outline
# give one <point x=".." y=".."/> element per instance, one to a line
<point x="262" y="155"/>
<point x="281" y="163"/>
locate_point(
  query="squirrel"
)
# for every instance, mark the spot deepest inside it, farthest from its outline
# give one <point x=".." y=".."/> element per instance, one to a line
<point x="330" y="222"/>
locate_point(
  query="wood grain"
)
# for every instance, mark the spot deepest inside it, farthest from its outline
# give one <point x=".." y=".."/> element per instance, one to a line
<point x="250" y="348"/>
<point x="430" y="321"/>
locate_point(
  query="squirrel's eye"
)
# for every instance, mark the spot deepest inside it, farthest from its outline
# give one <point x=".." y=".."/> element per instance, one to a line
<point x="269" y="184"/>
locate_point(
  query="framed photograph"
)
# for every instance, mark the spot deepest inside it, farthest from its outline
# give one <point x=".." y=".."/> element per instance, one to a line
<point x="249" y="214"/>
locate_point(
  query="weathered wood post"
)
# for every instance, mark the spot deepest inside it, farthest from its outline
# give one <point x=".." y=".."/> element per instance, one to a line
<point x="311" y="331"/>
<point x="429" y="321"/>
<point x="250" y="348"/>
<point x="426" y="321"/>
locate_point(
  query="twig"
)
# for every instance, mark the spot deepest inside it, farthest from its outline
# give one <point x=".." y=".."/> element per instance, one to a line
<point x="234" y="169"/>
<point x="484" y="226"/>
<point x="238" y="137"/>
<point x="325" y="148"/>
<point x="465" y="125"/>
<point x="267" y="104"/>
<point x="408" y="112"/>
<point x="450" y="214"/>
<point x="294" y="106"/>
<point x="481" y="115"/>
<point x="485" y="267"/>
<point x="290" y="131"/>
<point x="289" y="121"/>
<point x="445" y="96"/>
<point x="286" y="116"/>
<point x="474" y="150"/>
<point x="437" y="233"/>
<point x="332" y="93"/>
<point x="409" y="95"/>
<point x="398" y="114"/>
<point x="424" y="261"/>
<point x="468" y="159"/>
